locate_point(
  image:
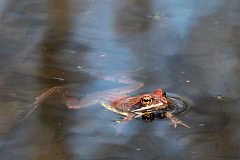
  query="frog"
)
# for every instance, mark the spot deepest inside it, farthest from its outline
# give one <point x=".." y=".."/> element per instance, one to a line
<point x="116" y="99"/>
<point x="148" y="106"/>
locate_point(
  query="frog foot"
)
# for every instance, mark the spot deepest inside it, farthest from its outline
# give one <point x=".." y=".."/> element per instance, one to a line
<point x="176" y="122"/>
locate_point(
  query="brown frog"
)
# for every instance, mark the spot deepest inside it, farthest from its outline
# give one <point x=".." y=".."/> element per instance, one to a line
<point x="116" y="99"/>
<point x="147" y="106"/>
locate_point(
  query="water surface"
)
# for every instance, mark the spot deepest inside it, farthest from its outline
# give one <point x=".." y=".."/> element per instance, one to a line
<point x="189" y="48"/>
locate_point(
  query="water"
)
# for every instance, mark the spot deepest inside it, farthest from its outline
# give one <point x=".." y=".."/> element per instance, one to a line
<point x="190" y="49"/>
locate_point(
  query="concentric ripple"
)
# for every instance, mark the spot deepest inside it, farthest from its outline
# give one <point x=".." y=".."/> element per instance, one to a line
<point x="177" y="105"/>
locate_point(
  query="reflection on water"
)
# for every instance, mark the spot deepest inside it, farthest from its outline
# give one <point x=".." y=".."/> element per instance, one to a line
<point x="191" y="49"/>
<point x="183" y="18"/>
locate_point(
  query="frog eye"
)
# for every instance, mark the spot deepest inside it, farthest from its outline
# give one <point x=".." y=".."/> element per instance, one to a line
<point x="146" y="100"/>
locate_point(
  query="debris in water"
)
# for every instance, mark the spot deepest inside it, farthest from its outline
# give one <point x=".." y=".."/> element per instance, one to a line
<point x="220" y="97"/>
<point x="58" y="78"/>
<point x="118" y="121"/>
<point x="157" y="17"/>
<point x="79" y="67"/>
<point x="154" y="16"/>
<point x="202" y="125"/>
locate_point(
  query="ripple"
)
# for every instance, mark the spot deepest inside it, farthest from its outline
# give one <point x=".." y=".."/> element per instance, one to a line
<point x="177" y="105"/>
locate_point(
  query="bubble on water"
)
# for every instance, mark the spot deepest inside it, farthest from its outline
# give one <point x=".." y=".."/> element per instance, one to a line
<point x="79" y="67"/>
<point x="59" y="78"/>
<point x="73" y="52"/>
<point x="202" y="125"/>
<point x="220" y="97"/>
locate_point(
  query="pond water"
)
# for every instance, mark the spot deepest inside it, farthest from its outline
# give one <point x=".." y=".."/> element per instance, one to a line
<point x="188" y="48"/>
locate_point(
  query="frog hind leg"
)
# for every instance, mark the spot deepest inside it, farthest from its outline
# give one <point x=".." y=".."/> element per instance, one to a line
<point x="86" y="101"/>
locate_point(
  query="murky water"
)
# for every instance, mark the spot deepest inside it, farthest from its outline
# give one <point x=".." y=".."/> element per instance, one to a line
<point x="189" y="48"/>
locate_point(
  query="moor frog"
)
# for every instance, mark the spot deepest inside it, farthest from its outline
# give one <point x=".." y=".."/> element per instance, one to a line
<point x="146" y="105"/>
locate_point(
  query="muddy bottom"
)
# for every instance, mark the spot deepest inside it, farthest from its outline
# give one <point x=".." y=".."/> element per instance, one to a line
<point x="188" y="48"/>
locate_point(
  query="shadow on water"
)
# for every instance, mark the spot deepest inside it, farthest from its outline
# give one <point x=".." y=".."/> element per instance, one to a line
<point x="42" y="133"/>
<point x="55" y="49"/>
<point x="50" y="117"/>
<point x="16" y="46"/>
